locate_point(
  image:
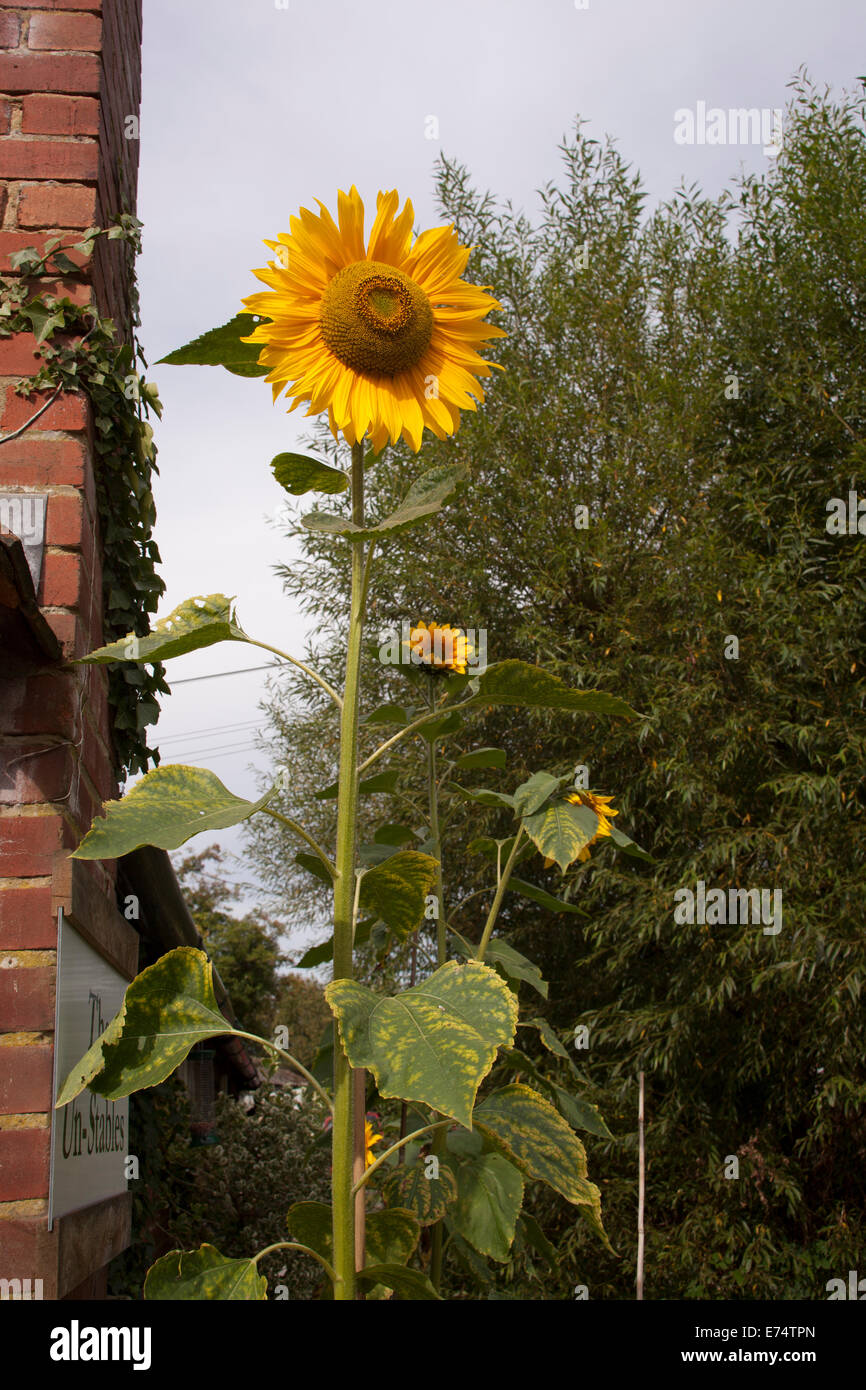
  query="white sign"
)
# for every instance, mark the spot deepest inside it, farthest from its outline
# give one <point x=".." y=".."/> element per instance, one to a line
<point x="89" y="1136"/>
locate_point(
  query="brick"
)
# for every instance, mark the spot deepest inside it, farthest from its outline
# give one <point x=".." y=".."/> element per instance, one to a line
<point x="24" y="1162"/>
<point x="55" y="5"/>
<point x="18" y="241"/>
<point x="10" y="28"/>
<point x="68" y="412"/>
<point x="28" y="845"/>
<point x="53" y="205"/>
<point x="5" y="117"/>
<point x="46" y="702"/>
<point x="21" y="72"/>
<point x="80" y="32"/>
<point x="49" y="159"/>
<point x="63" y="581"/>
<point x="40" y="463"/>
<point x="34" y="774"/>
<point x="71" y="632"/>
<point x="52" y="115"/>
<point x="17" y="355"/>
<point x="25" y="1079"/>
<point x="26" y="920"/>
<point x="26" y="1002"/>
<point x="67" y="523"/>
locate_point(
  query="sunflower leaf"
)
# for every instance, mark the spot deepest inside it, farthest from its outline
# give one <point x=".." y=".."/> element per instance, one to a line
<point x="222" y="347"/>
<point x="166" y="808"/>
<point x="397" y="890"/>
<point x="166" y="1010"/>
<point x="427" y="495"/>
<point x="489" y="1198"/>
<point x="433" y="1043"/>
<point x="195" y="623"/>
<point x="561" y="830"/>
<point x="528" y="1131"/>
<point x="518" y="683"/>
<point x="382" y="782"/>
<point x="428" y="1198"/>
<point x="299" y="474"/>
<point x="628" y="846"/>
<point x="204" y="1274"/>
<point x="408" y="1283"/>
<point x="482" y="757"/>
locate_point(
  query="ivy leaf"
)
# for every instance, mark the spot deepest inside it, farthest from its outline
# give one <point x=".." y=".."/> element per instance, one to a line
<point x="204" y="1274"/>
<point x="397" y="890"/>
<point x="299" y="474"/>
<point x="195" y="623"/>
<point x="489" y="1198"/>
<point x="427" y="495"/>
<point x="518" y="683"/>
<point x="222" y="347"/>
<point x="64" y="265"/>
<point x="166" y="1010"/>
<point x="561" y="830"/>
<point x="166" y="808"/>
<point x="534" y="1136"/>
<point x="427" y="1198"/>
<point x="408" y="1283"/>
<point x="482" y="757"/>
<point x="433" y="1043"/>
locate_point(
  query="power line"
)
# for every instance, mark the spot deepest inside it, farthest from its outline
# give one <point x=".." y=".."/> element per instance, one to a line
<point x="211" y="729"/>
<point x="215" y="676"/>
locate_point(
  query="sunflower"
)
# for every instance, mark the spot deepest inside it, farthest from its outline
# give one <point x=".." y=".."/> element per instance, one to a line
<point x="440" y="649"/>
<point x="385" y="337"/>
<point x="369" y="1140"/>
<point x="604" y="811"/>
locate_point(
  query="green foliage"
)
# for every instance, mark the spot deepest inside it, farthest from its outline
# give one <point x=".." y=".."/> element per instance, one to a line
<point x="195" y="623"/>
<point x="461" y="1015"/>
<point x="299" y="474"/>
<point x="222" y="347"/>
<point x="427" y="495"/>
<point x="166" y="808"/>
<point x="166" y="1010"/>
<point x="79" y="351"/>
<point x="204" y="1274"/>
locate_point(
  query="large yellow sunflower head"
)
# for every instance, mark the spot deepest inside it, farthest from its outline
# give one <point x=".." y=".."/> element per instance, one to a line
<point x="440" y="650"/>
<point x="384" y="337"/>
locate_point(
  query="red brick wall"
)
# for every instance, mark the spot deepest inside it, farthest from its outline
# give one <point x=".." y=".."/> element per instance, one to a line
<point x="69" y="79"/>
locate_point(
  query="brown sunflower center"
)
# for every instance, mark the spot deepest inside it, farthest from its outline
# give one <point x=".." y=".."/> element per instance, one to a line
<point x="376" y="319"/>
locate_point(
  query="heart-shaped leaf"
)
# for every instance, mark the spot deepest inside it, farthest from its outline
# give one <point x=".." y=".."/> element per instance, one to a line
<point x="166" y="1010"/>
<point x="531" y="795"/>
<point x="397" y="890"/>
<point x="195" y="623"/>
<point x="533" y="1135"/>
<point x="166" y="808"/>
<point x="204" y="1274"/>
<point x="427" y="1198"/>
<point x="433" y="1043"/>
<point x="489" y="1198"/>
<point x="561" y="830"/>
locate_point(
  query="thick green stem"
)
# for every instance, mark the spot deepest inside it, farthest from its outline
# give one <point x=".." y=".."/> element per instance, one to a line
<point x="344" y="899"/>
<point x="441" y="957"/>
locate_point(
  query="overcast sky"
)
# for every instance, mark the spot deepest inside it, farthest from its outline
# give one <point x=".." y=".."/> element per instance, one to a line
<point x="252" y="108"/>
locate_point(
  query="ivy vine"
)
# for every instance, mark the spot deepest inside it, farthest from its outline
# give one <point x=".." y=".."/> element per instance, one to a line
<point x="81" y="351"/>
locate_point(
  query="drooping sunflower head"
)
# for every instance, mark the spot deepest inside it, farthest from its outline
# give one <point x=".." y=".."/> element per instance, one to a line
<point x="440" y="650"/>
<point x="384" y="337"/>
<point x="602" y="808"/>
